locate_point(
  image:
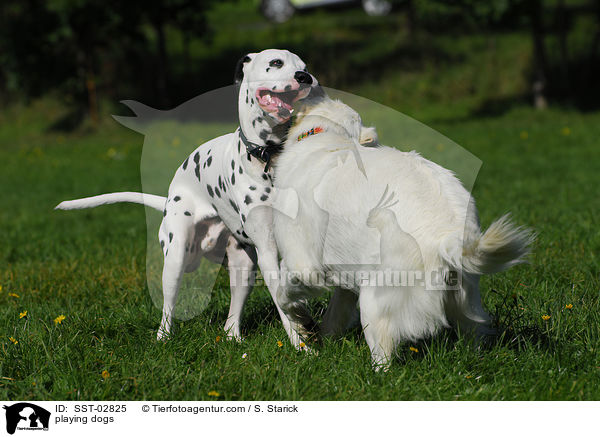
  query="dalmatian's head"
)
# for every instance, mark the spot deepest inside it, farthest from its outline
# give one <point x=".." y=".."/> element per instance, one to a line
<point x="270" y="83"/>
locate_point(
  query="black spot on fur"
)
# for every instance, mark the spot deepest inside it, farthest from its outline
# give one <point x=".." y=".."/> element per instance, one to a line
<point x="233" y="178"/>
<point x="209" y="161"/>
<point x="243" y="218"/>
<point x="197" y="171"/>
<point x="268" y="190"/>
<point x="240" y="171"/>
<point x="220" y="182"/>
<point x="288" y="87"/>
<point x="274" y="88"/>
<point x="162" y="244"/>
<point x="209" y="150"/>
<point x="252" y="187"/>
<point x="170" y="236"/>
<point x="197" y="157"/>
<point x="264" y="197"/>
<point x="217" y="192"/>
<point x="254" y="123"/>
<point x="234" y="206"/>
<point x="246" y="100"/>
<point x="232" y="164"/>
<point x="248" y="157"/>
<point x="166" y="252"/>
<point x="247" y="200"/>
<point x="210" y="191"/>
<point x="238" y="232"/>
<point x="185" y="163"/>
<point x="165" y="213"/>
<point x="187" y="213"/>
<point x="176" y="198"/>
<point x="263" y="134"/>
<point x="264" y="176"/>
<point x="239" y="146"/>
<point x="244" y="234"/>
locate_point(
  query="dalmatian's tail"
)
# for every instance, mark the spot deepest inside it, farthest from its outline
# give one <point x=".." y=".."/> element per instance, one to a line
<point x="156" y="202"/>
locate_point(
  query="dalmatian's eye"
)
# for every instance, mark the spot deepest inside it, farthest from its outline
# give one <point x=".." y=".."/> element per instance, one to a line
<point x="276" y="63"/>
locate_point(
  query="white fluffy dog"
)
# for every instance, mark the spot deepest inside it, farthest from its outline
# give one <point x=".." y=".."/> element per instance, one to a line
<point x="382" y="210"/>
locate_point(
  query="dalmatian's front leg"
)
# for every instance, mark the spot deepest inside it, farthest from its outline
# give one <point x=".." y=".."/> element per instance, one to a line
<point x="241" y="263"/>
<point x="342" y="313"/>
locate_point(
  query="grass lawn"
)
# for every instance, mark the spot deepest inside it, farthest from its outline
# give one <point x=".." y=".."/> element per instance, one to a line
<point x="90" y="267"/>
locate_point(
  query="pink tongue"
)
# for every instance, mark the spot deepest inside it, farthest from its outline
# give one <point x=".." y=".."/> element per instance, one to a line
<point x="275" y="102"/>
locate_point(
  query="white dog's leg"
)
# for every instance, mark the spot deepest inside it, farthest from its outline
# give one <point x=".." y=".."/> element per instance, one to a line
<point x="341" y="313"/>
<point x="464" y="308"/>
<point x="376" y="327"/>
<point x="242" y="271"/>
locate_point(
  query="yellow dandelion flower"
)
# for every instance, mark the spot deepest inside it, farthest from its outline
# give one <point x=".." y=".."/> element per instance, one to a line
<point x="24" y="314"/>
<point x="214" y="393"/>
<point x="413" y="349"/>
<point x="59" y="319"/>
<point x="14" y="295"/>
<point x="545" y="317"/>
<point x="565" y="131"/>
<point x="105" y="374"/>
<point x="0" y="288"/>
<point x="569" y="306"/>
<point x="468" y="376"/>
<point x="279" y="343"/>
<point x="218" y="339"/>
<point x="13" y="340"/>
<point x="302" y="345"/>
<point x="524" y="135"/>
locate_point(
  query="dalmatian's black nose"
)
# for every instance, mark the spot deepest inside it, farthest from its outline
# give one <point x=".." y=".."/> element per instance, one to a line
<point x="303" y="77"/>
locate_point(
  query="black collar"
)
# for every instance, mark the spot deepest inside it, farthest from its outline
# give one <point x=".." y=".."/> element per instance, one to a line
<point x="262" y="153"/>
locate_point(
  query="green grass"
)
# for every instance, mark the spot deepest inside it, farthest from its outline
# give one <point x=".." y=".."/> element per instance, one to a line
<point x="90" y="267"/>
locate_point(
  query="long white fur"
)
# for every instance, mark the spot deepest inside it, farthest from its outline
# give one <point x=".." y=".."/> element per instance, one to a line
<point x="359" y="204"/>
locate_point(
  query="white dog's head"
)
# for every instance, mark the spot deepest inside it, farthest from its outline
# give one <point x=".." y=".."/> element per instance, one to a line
<point x="270" y="82"/>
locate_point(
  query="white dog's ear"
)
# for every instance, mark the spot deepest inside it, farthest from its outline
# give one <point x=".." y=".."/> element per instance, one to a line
<point x="239" y="68"/>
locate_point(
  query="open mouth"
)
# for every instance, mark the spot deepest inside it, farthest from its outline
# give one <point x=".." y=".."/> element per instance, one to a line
<point x="279" y="103"/>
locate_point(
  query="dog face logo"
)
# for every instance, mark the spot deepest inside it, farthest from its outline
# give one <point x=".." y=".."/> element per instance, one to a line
<point x="26" y="416"/>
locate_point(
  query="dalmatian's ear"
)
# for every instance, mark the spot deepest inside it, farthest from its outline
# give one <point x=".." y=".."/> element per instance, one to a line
<point x="239" y="68"/>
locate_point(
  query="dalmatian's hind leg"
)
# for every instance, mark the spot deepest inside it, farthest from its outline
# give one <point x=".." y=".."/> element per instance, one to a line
<point x="176" y="233"/>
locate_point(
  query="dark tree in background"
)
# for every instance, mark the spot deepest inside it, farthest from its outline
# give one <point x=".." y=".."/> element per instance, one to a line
<point x="66" y="45"/>
<point x="90" y="50"/>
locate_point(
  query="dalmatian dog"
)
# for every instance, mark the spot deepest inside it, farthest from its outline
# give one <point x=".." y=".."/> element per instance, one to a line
<point x="221" y="198"/>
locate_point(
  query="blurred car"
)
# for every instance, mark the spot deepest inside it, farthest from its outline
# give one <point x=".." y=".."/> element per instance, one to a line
<point x="282" y="10"/>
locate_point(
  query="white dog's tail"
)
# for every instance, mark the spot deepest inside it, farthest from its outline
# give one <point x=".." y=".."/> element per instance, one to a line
<point x="156" y="202"/>
<point x="499" y="248"/>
